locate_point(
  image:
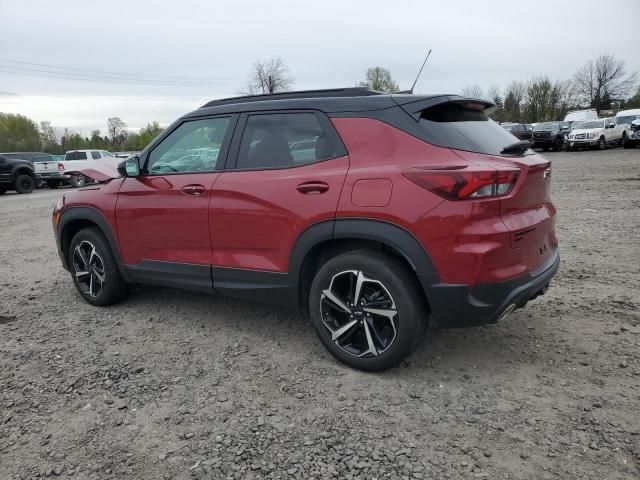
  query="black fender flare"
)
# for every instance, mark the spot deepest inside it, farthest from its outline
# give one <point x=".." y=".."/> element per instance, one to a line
<point x="27" y="168"/>
<point x="381" y="231"/>
<point x="93" y="215"/>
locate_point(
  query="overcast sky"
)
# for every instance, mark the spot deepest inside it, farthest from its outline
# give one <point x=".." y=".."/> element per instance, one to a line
<point x="174" y="56"/>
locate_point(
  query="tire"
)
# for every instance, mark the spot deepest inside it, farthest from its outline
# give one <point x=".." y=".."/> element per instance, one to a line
<point x="545" y="149"/>
<point x="24" y="184"/>
<point x="53" y="184"/>
<point x="78" y="181"/>
<point x="602" y="144"/>
<point x="3" y="190"/>
<point x="382" y="341"/>
<point x="112" y="289"/>
<point x="626" y="143"/>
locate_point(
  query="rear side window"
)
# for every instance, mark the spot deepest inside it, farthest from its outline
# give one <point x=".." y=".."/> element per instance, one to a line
<point x="95" y="155"/>
<point x="456" y="126"/>
<point x="282" y="140"/>
<point x="76" y="156"/>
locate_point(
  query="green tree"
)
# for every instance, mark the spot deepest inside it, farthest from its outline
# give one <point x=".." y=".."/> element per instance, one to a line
<point x="18" y="134"/>
<point x="48" y="137"/>
<point x="545" y="100"/>
<point x="379" y="78"/>
<point x="633" y="102"/>
<point x="137" y="141"/>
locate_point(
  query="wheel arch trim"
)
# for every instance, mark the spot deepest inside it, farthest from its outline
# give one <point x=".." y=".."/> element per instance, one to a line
<point x="93" y="215"/>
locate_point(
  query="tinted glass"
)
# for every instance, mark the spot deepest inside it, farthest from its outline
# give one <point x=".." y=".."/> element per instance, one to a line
<point x="192" y="147"/>
<point x="283" y="140"/>
<point x="76" y="156"/>
<point x="455" y="126"/>
<point x="95" y="155"/>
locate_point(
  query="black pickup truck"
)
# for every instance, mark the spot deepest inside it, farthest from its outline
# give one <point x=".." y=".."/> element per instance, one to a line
<point x="16" y="174"/>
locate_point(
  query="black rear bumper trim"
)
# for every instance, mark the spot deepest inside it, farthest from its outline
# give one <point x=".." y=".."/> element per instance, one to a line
<point x="455" y="305"/>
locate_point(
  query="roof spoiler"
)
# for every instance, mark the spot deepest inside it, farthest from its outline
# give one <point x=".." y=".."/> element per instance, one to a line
<point x="415" y="107"/>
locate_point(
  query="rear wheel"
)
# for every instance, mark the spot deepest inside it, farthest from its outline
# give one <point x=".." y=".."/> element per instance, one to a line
<point x="94" y="270"/>
<point x="3" y="190"/>
<point x="78" y="181"/>
<point x="367" y="309"/>
<point x="24" y="184"/>
<point x="602" y="144"/>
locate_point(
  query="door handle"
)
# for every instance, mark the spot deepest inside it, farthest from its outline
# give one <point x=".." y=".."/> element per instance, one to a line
<point x="312" y="188"/>
<point x="193" y="189"/>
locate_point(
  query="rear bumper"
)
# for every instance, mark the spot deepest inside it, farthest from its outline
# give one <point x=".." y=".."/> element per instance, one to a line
<point x="454" y="305"/>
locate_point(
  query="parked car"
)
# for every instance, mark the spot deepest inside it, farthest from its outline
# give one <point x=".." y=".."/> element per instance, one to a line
<point x="632" y="132"/>
<point x="410" y="209"/>
<point x="624" y="118"/>
<point x="16" y="174"/>
<point x="598" y="133"/>
<point x="32" y="157"/>
<point x="124" y="154"/>
<point x="75" y="160"/>
<point x="550" y="135"/>
<point x="518" y="130"/>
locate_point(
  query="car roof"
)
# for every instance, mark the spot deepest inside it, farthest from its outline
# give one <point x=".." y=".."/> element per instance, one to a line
<point x="624" y="113"/>
<point x="355" y="99"/>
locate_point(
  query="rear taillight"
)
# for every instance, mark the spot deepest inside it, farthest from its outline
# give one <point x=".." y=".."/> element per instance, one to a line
<point x="464" y="183"/>
<point x="61" y="167"/>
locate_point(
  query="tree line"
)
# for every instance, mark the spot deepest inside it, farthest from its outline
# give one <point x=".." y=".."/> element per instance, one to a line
<point x="21" y="134"/>
<point x="602" y="83"/>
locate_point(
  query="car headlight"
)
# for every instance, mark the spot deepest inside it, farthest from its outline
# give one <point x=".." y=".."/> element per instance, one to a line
<point x="591" y="135"/>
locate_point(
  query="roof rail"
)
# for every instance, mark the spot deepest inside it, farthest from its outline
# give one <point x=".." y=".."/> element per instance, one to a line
<point x="330" y="92"/>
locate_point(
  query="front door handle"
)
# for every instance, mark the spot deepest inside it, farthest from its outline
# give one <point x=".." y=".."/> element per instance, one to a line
<point x="312" y="188"/>
<point x="193" y="189"/>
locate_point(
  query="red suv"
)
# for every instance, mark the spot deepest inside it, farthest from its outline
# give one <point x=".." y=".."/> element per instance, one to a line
<point x="371" y="213"/>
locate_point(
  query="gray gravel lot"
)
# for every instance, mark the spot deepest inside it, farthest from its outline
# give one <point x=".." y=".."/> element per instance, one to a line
<point x="174" y="384"/>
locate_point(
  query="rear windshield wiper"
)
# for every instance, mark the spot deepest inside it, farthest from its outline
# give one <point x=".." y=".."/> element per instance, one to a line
<point x="517" y="147"/>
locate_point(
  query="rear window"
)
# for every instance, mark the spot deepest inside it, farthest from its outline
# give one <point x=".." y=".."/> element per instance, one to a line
<point x="95" y="155"/>
<point x="454" y="125"/>
<point x="76" y="156"/>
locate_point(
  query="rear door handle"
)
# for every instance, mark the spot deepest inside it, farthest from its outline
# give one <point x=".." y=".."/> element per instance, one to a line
<point x="312" y="188"/>
<point x="193" y="189"/>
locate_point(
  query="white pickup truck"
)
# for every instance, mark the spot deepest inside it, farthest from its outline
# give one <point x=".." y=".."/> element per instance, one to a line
<point x="599" y="133"/>
<point x="75" y="160"/>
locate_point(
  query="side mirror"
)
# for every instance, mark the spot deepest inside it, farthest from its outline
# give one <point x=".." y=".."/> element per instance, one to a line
<point x="130" y="167"/>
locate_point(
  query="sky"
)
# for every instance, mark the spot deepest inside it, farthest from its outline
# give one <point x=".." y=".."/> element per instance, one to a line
<point x="77" y="63"/>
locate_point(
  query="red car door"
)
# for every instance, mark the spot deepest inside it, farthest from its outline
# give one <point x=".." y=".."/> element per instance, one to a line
<point x="285" y="173"/>
<point x="162" y="216"/>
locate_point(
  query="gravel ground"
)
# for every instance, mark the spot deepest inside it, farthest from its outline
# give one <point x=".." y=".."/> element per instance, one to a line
<point x="174" y="384"/>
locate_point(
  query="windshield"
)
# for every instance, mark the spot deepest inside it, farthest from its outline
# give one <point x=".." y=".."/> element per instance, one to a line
<point x="591" y="124"/>
<point x="456" y="126"/>
<point x="547" y="126"/>
<point x="626" y="119"/>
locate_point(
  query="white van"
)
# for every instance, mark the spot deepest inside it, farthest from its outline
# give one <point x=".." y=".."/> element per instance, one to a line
<point x="624" y="118"/>
<point x="581" y="115"/>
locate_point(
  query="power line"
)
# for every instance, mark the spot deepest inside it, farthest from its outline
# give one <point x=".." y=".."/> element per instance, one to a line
<point x="92" y="78"/>
<point x="120" y="74"/>
<point x="196" y="99"/>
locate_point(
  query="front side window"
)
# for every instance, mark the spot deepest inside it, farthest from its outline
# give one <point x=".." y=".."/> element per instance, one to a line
<point x="282" y="140"/>
<point x="106" y="154"/>
<point x="192" y="147"/>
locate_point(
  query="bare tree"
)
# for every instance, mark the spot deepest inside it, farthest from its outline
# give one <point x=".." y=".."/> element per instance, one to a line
<point x="603" y="80"/>
<point x="117" y="130"/>
<point x="472" y="91"/>
<point x="269" y="76"/>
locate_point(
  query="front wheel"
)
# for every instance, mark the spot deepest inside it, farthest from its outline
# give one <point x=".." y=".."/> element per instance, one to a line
<point x="602" y="144"/>
<point x="24" y="184"/>
<point x="94" y="270"/>
<point x="625" y="142"/>
<point x="367" y="309"/>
